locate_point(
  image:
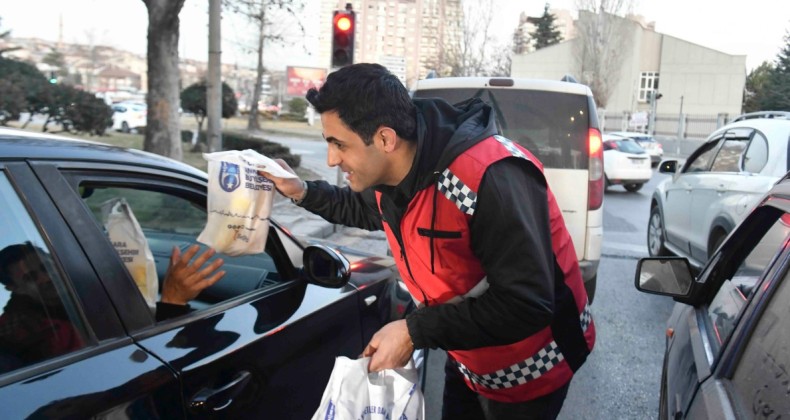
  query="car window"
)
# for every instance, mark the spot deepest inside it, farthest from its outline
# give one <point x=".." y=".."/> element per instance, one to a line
<point x="629" y="146"/>
<point x="756" y="155"/>
<point x="701" y="162"/>
<point x="554" y="126"/>
<point x="39" y="319"/>
<point x="729" y="156"/>
<point x="168" y="220"/>
<point x="728" y="303"/>
<point x="762" y="374"/>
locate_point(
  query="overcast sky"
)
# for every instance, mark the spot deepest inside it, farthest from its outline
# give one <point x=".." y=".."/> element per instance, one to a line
<point x="755" y="28"/>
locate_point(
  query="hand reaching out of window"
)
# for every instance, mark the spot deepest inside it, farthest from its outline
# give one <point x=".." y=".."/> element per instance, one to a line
<point x="186" y="278"/>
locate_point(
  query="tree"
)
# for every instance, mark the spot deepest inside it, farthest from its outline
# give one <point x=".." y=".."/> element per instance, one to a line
<point x="36" y="87"/>
<point x="546" y="32"/>
<point x="162" y="134"/>
<point x="757" y="86"/>
<point x="193" y="100"/>
<point x="266" y="15"/>
<point x="777" y="93"/>
<point x="603" y="42"/>
<point x="475" y="52"/>
<point x="55" y="59"/>
<point x="12" y="101"/>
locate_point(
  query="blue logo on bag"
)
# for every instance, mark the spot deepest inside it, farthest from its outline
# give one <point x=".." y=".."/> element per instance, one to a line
<point x="229" y="176"/>
<point x="330" y="411"/>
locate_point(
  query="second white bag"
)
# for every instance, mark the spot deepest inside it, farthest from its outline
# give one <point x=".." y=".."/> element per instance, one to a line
<point x="354" y="393"/>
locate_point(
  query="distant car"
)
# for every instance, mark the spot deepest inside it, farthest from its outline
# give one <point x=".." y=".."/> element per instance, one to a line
<point x="128" y="116"/>
<point x="726" y="353"/>
<point x="653" y="148"/>
<point x="625" y="163"/>
<point x="706" y="197"/>
<point x="78" y="340"/>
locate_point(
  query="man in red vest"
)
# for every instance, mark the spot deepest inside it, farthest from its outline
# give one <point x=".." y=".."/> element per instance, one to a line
<point x="477" y="236"/>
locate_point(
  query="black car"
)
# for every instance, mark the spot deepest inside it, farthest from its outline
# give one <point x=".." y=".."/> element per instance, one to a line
<point x="260" y="343"/>
<point x="728" y="338"/>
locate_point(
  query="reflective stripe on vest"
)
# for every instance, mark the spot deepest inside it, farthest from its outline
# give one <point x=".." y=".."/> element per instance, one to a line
<point x="530" y="369"/>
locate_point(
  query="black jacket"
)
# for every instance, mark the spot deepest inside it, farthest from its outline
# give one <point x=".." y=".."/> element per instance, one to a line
<point x="510" y="231"/>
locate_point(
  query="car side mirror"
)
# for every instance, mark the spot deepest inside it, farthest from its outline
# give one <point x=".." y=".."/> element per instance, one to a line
<point x="667" y="276"/>
<point x="668" y="166"/>
<point x="326" y="267"/>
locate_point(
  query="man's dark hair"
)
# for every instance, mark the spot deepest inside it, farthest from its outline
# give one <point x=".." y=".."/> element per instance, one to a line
<point x="367" y="96"/>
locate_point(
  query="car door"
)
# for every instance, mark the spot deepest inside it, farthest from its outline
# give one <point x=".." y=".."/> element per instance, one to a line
<point x="63" y="349"/>
<point x="752" y="380"/>
<point x="677" y="201"/>
<point x="732" y="279"/>
<point x="261" y="342"/>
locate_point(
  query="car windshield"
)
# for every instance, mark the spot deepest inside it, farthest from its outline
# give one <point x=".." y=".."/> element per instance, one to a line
<point x="551" y="125"/>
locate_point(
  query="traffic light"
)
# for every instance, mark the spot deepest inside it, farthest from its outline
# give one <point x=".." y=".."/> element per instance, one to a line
<point x="343" y="26"/>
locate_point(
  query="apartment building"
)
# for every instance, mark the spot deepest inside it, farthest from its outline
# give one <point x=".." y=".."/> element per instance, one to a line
<point x="407" y="36"/>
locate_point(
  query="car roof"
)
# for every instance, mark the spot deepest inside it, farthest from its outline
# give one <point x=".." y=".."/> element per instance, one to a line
<point x="502" y="83"/>
<point x="26" y="145"/>
<point x="767" y="125"/>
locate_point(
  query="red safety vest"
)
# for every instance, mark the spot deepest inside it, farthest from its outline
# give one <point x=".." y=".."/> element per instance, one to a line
<point x="516" y="372"/>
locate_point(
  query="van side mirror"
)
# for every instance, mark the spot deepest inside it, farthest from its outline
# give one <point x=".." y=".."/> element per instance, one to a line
<point x="326" y="267"/>
<point x="667" y="276"/>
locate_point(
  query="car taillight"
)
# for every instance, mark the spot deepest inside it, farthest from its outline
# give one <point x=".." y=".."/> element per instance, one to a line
<point x="595" y="184"/>
<point x="785" y="219"/>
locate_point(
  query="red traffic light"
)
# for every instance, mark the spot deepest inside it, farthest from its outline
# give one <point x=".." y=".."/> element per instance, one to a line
<point x="343" y="23"/>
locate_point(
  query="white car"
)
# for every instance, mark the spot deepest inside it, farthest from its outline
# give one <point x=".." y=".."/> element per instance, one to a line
<point x="719" y="184"/>
<point x="651" y="146"/>
<point x="625" y="163"/>
<point x="128" y="116"/>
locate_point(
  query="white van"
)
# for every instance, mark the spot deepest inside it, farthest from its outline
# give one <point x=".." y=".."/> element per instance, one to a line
<point x="557" y="122"/>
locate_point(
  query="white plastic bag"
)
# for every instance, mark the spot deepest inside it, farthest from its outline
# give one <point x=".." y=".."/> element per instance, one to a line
<point x="129" y="241"/>
<point x="239" y="201"/>
<point x="354" y="393"/>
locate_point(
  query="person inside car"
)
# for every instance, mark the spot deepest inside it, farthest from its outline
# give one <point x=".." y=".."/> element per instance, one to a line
<point x="477" y="236"/>
<point x="34" y="325"/>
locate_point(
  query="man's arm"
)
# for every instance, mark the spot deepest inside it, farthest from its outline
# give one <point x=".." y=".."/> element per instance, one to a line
<point x="342" y="205"/>
<point x="511" y="235"/>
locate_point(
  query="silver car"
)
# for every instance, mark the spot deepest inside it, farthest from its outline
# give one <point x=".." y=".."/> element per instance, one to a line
<point x="651" y="146"/>
<point x="715" y="189"/>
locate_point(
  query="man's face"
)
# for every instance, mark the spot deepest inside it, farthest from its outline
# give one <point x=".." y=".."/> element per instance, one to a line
<point x="364" y="166"/>
<point x="29" y="277"/>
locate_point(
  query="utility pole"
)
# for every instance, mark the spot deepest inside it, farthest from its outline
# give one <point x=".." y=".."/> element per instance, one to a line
<point x="214" y="82"/>
<point x="681" y="124"/>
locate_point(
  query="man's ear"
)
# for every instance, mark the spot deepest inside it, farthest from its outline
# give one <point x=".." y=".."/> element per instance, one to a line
<point x="388" y="138"/>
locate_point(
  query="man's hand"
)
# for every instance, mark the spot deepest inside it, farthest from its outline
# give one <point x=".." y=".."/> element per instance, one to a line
<point x="292" y="188"/>
<point x="184" y="280"/>
<point x="390" y="347"/>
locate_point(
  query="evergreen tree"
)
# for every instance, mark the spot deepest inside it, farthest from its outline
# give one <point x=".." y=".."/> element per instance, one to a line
<point x="546" y="32"/>
<point x="757" y="86"/>
<point x="777" y="93"/>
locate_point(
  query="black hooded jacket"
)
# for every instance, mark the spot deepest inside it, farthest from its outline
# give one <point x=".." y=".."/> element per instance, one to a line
<point x="510" y="231"/>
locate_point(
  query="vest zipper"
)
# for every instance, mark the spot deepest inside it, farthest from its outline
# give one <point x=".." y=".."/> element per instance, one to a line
<point x="408" y="268"/>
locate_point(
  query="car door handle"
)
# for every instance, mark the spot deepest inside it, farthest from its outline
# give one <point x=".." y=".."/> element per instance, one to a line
<point x="370" y="300"/>
<point x="216" y="399"/>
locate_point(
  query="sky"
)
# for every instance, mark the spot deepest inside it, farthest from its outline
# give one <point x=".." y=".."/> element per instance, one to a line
<point x="755" y="28"/>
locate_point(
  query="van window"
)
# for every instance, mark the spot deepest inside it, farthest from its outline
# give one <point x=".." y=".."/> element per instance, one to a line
<point x="553" y="126"/>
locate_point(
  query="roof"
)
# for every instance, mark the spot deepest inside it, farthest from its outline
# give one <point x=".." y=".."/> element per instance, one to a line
<point x="20" y="144"/>
<point x="502" y="83"/>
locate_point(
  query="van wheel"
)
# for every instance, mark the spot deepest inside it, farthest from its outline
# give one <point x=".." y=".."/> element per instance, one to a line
<point x="125" y="127"/>
<point x="656" y="235"/>
<point x="633" y="187"/>
<point x="589" y="285"/>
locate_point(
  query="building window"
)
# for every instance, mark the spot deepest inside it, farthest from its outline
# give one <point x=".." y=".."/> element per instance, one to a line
<point x="648" y="81"/>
